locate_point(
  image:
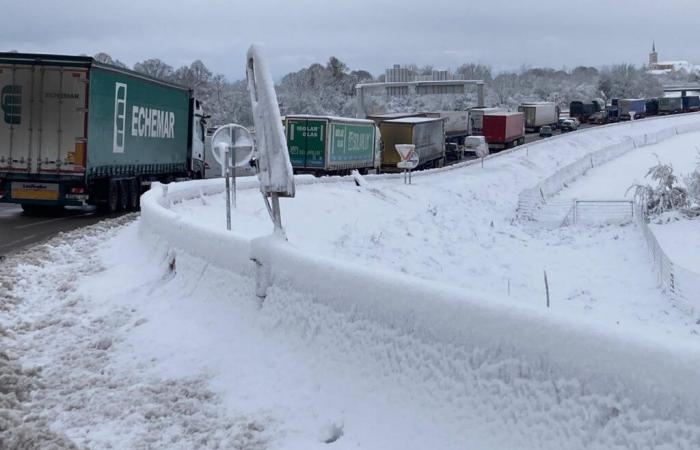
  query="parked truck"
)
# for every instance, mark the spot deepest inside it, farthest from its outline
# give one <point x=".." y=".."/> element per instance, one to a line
<point x="78" y="132"/>
<point x="652" y="106"/>
<point x="504" y="129"/>
<point x="631" y="106"/>
<point x="539" y="114"/>
<point x="476" y="120"/>
<point x="583" y="111"/>
<point x="325" y="145"/>
<point x="691" y="103"/>
<point x="670" y="105"/>
<point x="426" y="133"/>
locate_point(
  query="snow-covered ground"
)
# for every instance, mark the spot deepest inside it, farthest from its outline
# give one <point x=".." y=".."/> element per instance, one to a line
<point x="456" y="228"/>
<point x="680" y="239"/>
<point x="142" y="345"/>
<point x="613" y="180"/>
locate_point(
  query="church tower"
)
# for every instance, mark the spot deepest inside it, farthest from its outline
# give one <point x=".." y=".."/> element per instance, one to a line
<point x="653" y="56"/>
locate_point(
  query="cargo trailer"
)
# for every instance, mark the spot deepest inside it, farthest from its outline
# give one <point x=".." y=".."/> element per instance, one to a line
<point x="426" y="133"/>
<point x="377" y="118"/>
<point x="78" y="132"/>
<point x="631" y="106"/>
<point x="690" y="103"/>
<point x="670" y="105"/>
<point x="538" y="114"/>
<point x="504" y="130"/>
<point x="476" y="118"/>
<point x="583" y="111"/>
<point x="612" y="113"/>
<point x="652" y="107"/>
<point x="325" y="145"/>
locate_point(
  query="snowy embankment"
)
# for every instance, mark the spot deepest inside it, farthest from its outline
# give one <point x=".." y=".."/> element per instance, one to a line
<point x="397" y="317"/>
<point x="442" y="261"/>
<point x="680" y="239"/>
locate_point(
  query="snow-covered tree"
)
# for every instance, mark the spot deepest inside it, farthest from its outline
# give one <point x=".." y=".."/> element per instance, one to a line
<point x="667" y="195"/>
<point x="156" y="68"/>
<point x="105" y="58"/>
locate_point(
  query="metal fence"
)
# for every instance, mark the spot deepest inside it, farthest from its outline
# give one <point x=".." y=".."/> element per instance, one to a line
<point x="599" y="211"/>
<point x="679" y="282"/>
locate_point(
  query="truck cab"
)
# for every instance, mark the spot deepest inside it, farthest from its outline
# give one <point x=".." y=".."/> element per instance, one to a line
<point x="198" y="134"/>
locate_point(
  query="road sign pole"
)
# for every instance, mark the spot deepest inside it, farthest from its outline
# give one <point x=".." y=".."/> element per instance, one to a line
<point x="228" y="190"/>
<point x="234" y="177"/>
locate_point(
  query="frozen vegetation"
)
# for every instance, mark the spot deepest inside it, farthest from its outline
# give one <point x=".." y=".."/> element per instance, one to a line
<point x="330" y="88"/>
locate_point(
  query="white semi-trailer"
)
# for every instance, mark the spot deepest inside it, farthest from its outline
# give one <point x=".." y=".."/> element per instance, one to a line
<point x="539" y="114"/>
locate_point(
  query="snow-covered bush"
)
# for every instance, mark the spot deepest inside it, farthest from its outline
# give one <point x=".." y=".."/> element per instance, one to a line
<point x="667" y="195"/>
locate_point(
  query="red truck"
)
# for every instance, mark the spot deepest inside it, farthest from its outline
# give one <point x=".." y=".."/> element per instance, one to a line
<point x="504" y="129"/>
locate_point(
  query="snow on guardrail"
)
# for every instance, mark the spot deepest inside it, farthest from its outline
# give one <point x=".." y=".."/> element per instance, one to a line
<point x="574" y="367"/>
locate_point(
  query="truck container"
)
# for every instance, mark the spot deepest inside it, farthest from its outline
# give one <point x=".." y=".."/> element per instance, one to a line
<point x="476" y="118"/>
<point x="583" y="110"/>
<point x="377" y="118"/>
<point x="426" y="133"/>
<point x="627" y="106"/>
<point x="670" y="105"/>
<point x="331" y="145"/>
<point x="538" y="114"/>
<point x="503" y="130"/>
<point x="598" y="104"/>
<point x="612" y="113"/>
<point x="652" y="106"/>
<point x="77" y="132"/>
<point x="690" y="103"/>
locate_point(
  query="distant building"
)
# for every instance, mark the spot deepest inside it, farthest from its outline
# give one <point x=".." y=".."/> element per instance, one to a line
<point x="398" y="74"/>
<point x="656" y="67"/>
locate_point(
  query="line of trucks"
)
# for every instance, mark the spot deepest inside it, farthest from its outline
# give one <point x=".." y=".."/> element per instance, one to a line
<point x="76" y="132"/>
<point x="331" y="145"/>
<point x="597" y="112"/>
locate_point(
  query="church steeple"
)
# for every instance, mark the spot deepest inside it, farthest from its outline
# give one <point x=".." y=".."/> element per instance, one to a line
<point x="653" y="56"/>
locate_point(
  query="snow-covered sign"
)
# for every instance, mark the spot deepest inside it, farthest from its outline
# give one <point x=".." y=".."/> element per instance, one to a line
<point x="275" y="170"/>
<point x="235" y="138"/>
<point x="410" y="163"/>
<point x="405" y="150"/>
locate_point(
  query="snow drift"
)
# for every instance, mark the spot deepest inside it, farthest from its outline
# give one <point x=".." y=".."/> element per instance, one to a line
<point x="567" y="383"/>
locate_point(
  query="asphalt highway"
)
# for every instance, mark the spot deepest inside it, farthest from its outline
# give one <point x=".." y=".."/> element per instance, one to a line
<point x="18" y="230"/>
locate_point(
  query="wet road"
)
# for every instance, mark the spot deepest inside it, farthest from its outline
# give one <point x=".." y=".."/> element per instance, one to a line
<point x="18" y="230"/>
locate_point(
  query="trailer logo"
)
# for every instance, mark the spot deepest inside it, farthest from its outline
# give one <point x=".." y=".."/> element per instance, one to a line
<point x="11" y="102"/>
<point x="150" y="122"/>
<point x="145" y="122"/>
<point x="119" y="117"/>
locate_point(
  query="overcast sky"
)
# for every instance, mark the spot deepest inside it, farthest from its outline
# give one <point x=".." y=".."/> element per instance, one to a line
<point x="367" y="34"/>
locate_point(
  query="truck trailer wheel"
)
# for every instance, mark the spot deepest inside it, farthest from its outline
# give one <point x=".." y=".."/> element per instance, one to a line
<point x="112" y="203"/>
<point x="134" y="195"/>
<point x="124" y="195"/>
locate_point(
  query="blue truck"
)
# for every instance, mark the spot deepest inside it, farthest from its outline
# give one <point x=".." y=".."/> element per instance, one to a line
<point x="632" y="106"/>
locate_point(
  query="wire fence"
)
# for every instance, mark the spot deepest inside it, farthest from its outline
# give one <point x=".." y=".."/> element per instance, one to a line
<point x="599" y="211"/>
<point x="677" y="281"/>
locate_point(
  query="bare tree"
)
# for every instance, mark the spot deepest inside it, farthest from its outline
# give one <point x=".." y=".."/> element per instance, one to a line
<point x="154" y="67"/>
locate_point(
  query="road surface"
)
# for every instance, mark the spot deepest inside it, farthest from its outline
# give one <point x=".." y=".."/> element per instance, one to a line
<point x="18" y="230"/>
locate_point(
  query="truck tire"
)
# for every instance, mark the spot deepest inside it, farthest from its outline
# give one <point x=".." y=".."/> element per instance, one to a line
<point x="134" y="195"/>
<point x="112" y="204"/>
<point x="123" y="195"/>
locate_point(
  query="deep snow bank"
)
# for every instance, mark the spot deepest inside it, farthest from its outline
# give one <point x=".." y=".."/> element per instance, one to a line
<point x="644" y="379"/>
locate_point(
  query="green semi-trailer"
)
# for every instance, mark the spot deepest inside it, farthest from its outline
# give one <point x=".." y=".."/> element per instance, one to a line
<point x="331" y="145"/>
<point x="74" y="131"/>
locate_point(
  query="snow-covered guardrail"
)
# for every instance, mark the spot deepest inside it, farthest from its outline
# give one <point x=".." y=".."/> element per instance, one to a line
<point x="557" y="361"/>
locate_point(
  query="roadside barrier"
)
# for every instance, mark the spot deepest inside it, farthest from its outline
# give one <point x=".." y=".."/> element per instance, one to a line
<point x="656" y="376"/>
